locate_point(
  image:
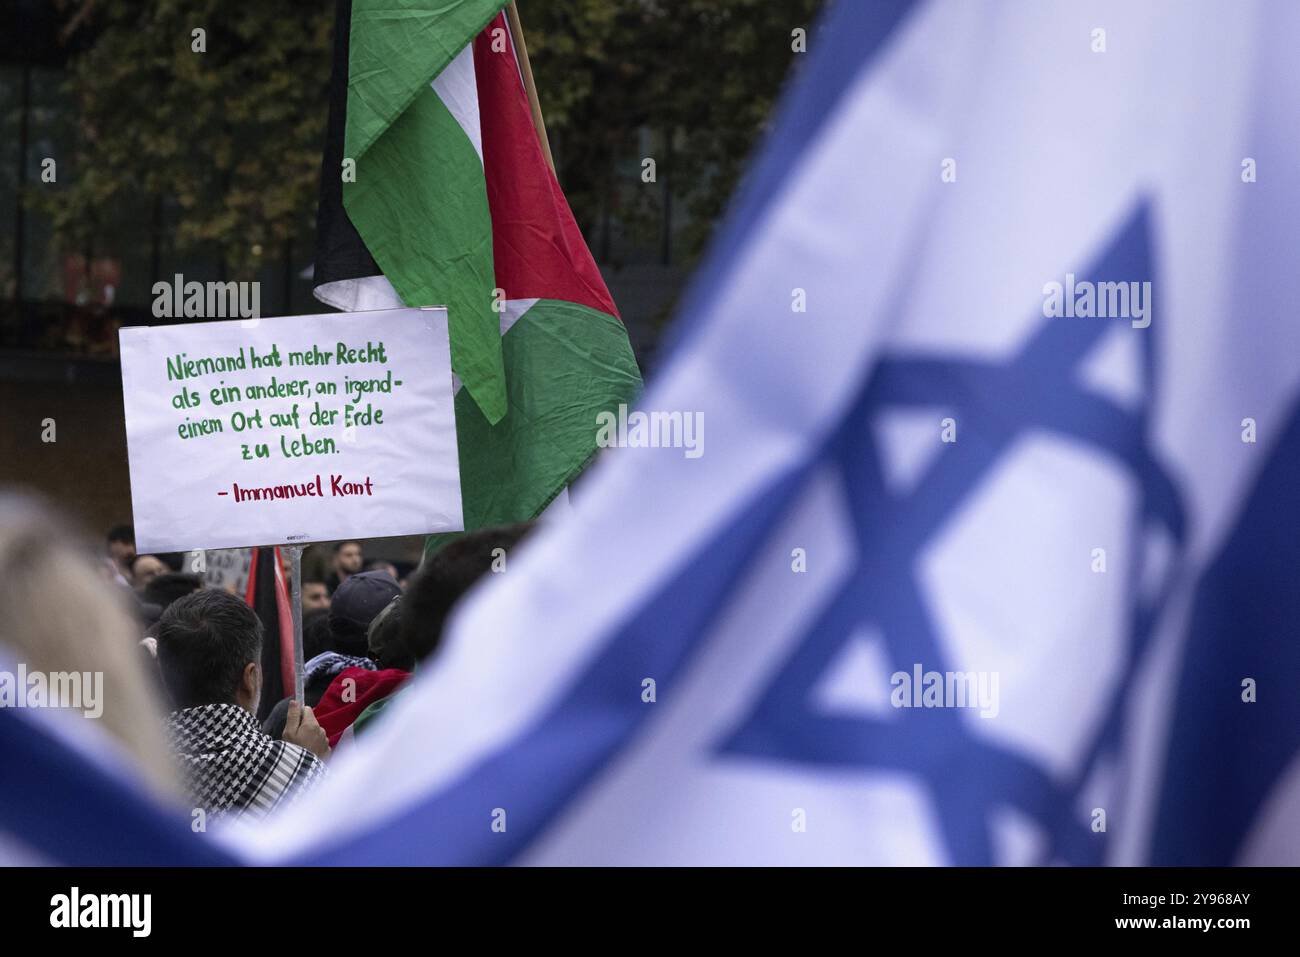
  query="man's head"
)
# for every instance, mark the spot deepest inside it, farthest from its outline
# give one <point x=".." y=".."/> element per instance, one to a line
<point x="381" y="565"/>
<point x="121" y="547"/>
<point x="315" y="633"/>
<point x="384" y="639"/>
<point x="209" y="651"/>
<point x="315" y="596"/>
<point x="445" y="577"/>
<point x="347" y="559"/>
<point x="168" y="587"/>
<point x="145" y="568"/>
<point x="355" y="605"/>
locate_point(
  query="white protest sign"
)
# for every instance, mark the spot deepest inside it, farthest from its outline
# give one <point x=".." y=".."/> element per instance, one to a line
<point x="224" y="568"/>
<point x="297" y="429"/>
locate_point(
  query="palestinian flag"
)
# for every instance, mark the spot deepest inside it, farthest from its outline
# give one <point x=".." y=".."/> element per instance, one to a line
<point x="454" y="204"/>
<point x="268" y="595"/>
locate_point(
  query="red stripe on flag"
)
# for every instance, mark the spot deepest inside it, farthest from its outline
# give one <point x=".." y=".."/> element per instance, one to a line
<point x="250" y="590"/>
<point x="537" y="248"/>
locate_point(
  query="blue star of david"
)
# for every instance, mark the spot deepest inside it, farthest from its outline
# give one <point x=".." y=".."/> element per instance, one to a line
<point x="969" y="777"/>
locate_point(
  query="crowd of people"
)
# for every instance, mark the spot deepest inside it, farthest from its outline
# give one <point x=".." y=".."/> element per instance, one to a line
<point x="158" y="580"/>
<point x="184" y="661"/>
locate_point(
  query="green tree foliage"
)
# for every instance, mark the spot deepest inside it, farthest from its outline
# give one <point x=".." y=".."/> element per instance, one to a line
<point x="702" y="75"/>
<point x="233" y="136"/>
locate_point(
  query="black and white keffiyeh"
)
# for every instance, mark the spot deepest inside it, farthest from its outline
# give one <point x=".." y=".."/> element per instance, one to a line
<point x="329" y="663"/>
<point x="232" y="768"/>
<point x="320" y="671"/>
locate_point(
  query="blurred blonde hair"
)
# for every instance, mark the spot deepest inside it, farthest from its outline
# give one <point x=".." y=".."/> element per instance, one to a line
<point x="59" y="614"/>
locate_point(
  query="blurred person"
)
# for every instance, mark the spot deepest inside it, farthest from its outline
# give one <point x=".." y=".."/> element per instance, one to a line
<point x="382" y="565"/>
<point x="145" y="568"/>
<point x="315" y="632"/>
<point x="147" y="614"/>
<point x="315" y="596"/>
<point x="446" y="576"/>
<point x="209" y="654"/>
<point x="354" y="606"/>
<point x="352" y="609"/>
<point x="321" y="661"/>
<point x="168" y="587"/>
<point x="427" y="603"/>
<point x="175" y="561"/>
<point x="355" y="689"/>
<point x="57" y="614"/>
<point x="121" y="548"/>
<point x="384" y="639"/>
<point x="320" y="671"/>
<point x="110" y="573"/>
<point x="347" y="561"/>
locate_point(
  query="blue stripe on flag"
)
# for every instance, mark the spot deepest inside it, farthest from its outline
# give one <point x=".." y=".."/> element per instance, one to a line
<point x="539" y="772"/>
<point x="71" y="812"/>
<point x="1226" y="755"/>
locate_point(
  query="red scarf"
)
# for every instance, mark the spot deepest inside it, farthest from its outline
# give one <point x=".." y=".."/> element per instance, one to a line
<point x="350" y="693"/>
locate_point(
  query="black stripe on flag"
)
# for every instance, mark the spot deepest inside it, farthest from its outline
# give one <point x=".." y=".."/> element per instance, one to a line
<point x="340" y="252"/>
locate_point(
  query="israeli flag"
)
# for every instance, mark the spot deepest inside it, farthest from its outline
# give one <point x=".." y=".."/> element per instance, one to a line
<point x="990" y="551"/>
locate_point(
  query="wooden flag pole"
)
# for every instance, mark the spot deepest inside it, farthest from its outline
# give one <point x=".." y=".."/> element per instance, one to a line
<point x="526" y="71"/>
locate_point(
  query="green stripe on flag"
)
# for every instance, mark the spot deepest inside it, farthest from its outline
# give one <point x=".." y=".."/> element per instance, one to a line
<point x="419" y="201"/>
<point x="396" y="49"/>
<point x="432" y="235"/>
<point x="566" y="364"/>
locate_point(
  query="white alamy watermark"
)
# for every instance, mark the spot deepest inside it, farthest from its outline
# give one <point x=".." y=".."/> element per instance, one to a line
<point x="76" y="690"/>
<point x="75" y="909"/>
<point x="651" y="430"/>
<point x="206" y="300"/>
<point x="1098" y="300"/>
<point x="945" y="689"/>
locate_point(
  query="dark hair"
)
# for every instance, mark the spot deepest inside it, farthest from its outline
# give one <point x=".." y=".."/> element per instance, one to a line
<point x="384" y="639"/>
<point x="205" y="641"/>
<point x="445" y="577"/>
<point x="173" y="560"/>
<point x="121" y="533"/>
<point x="170" y="587"/>
<point x="315" y="633"/>
<point x="349" y="541"/>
